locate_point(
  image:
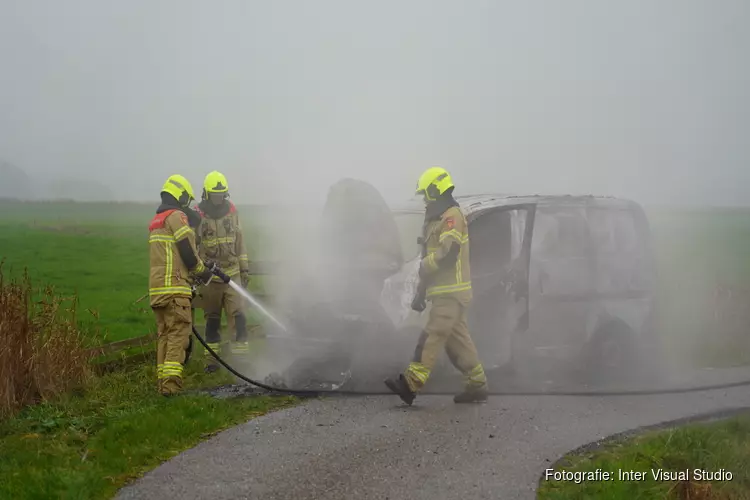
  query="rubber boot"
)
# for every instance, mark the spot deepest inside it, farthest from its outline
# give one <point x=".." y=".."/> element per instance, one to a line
<point x="213" y="339"/>
<point x="400" y="387"/>
<point x="472" y="395"/>
<point x="241" y="345"/>
<point x="171" y="386"/>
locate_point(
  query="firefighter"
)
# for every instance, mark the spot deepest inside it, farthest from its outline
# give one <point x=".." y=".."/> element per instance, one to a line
<point x="444" y="280"/>
<point x="174" y="261"/>
<point x="222" y="241"/>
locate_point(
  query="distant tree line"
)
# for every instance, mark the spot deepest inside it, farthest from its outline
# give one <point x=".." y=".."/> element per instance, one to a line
<point x="16" y="184"/>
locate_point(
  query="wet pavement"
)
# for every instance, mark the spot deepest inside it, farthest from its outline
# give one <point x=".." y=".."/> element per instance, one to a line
<point x="375" y="447"/>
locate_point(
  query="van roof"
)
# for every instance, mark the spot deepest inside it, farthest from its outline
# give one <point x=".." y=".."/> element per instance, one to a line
<point x="473" y="203"/>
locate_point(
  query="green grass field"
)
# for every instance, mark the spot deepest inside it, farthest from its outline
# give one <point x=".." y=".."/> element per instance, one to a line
<point x="722" y="446"/>
<point x="97" y="251"/>
<point x="698" y="253"/>
<point x="696" y="241"/>
<point x="89" y="445"/>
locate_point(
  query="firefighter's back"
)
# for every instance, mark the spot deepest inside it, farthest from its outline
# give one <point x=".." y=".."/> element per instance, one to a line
<point x="168" y="275"/>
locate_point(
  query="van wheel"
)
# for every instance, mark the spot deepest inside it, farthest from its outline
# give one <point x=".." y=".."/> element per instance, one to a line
<point x="612" y="355"/>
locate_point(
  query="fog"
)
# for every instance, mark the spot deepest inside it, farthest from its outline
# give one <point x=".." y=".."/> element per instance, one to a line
<point x="642" y="99"/>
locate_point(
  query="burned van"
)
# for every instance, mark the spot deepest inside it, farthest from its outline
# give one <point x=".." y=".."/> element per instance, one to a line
<point x="560" y="282"/>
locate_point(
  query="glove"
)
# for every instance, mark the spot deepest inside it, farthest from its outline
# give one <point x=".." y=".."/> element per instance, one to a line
<point x="419" y="304"/>
<point x="220" y="274"/>
<point x="245" y="279"/>
<point x="206" y="275"/>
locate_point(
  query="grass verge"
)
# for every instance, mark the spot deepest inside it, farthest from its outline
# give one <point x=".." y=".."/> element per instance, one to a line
<point x="41" y="346"/>
<point x="90" y="443"/>
<point x="711" y="447"/>
<point x="66" y="432"/>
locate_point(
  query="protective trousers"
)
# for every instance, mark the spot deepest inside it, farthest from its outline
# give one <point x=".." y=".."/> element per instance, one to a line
<point x="173" y="322"/>
<point x="218" y="296"/>
<point x="446" y="328"/>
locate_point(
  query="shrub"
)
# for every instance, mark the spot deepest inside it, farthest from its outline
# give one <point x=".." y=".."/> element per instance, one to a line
<point x="42" y="350"/>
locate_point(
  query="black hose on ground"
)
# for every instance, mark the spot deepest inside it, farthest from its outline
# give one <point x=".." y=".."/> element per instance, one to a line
<point x="307" y="393"/>
<point x="318" y="393"/>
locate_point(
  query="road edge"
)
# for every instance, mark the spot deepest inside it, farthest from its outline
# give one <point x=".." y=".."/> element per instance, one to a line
<point x="705" y="417"/>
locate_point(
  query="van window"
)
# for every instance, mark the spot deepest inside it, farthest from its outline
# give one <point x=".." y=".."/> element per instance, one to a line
<point x="496" y="241"/>
<point x="491" y="241"/>
<point x="621" y="254"/>
<point x="559" y="232"/>
<point x="560" y="261"/>
<point x="613" y="231"/>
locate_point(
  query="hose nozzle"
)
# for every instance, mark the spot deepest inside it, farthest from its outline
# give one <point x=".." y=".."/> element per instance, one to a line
<point x="218" y="272"/>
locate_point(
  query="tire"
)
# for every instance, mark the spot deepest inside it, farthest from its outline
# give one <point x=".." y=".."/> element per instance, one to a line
<point x="612" y="356"/>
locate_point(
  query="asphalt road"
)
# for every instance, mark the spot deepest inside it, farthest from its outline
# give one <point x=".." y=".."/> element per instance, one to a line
<point x="376" y="448"/>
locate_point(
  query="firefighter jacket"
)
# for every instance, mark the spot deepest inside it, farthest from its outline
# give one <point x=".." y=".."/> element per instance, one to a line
<point x="173" y="256"/>
<point x="445" y="256"/>
<point x="221" y="239"/>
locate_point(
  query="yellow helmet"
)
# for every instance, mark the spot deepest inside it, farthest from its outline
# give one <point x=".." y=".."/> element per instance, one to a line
<point x="179" y="187"/>
<point x="215" y="182"/>
<point x="434" y="182"/>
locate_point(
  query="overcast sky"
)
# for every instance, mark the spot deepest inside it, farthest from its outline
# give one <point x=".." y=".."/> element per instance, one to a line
<point x="646" y="99"/>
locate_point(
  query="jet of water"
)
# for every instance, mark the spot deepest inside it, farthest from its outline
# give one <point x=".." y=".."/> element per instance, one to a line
<point x="247" y="295"/>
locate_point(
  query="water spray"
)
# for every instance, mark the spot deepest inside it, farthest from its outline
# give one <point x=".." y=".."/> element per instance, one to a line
<point x="249" y="297"/>
<point x="245" y="294"/>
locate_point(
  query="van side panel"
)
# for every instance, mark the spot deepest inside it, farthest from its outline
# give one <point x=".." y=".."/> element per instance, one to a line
<point x="624" y="267"/>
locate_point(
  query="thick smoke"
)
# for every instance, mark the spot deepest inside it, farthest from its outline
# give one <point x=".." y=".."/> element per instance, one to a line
<point x="333" y="261"/>
<point x="331" y="255"/>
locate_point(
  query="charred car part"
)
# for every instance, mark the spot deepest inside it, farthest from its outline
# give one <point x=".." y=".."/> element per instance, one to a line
<point x="342" y="320"/>
<point x="333" y="349"/>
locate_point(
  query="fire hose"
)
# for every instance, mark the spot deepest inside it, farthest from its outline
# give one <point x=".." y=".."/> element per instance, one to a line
<point x="318" y="393"/>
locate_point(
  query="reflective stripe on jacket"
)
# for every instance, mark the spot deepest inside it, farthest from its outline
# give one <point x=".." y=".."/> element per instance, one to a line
<point x="169" y="275"/>
<point x="222" y="241"/>
<point x="448" y="276"/>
